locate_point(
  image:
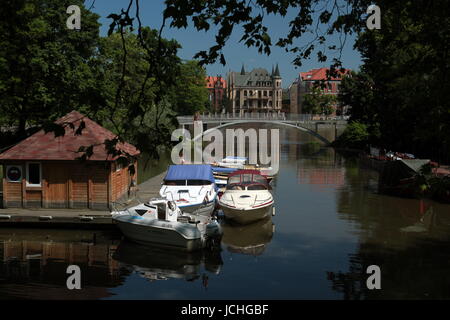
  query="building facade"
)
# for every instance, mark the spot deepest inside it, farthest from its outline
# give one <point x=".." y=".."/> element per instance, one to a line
<point x="257" y="91"/>
<point x="305" y="82"/>
<point x="217" y="91"/>
<point x="293" y="97"/>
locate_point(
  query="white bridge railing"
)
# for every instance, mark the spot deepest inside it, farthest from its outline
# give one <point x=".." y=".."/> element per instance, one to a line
<point x="217" y="117"/>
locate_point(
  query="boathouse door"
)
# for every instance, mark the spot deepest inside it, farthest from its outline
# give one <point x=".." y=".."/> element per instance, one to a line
<point x="56" y="191"/>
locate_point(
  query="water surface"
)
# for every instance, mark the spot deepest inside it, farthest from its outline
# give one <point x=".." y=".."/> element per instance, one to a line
<point x="330" y="225"/>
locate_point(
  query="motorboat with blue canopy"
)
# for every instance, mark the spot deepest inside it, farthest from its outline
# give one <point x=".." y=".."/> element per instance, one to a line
<point x="192" y="187"/>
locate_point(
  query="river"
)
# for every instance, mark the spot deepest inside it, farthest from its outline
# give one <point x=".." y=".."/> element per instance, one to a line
<point x="330" y="225"/>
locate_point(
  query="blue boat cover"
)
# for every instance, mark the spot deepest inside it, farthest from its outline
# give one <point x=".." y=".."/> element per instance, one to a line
<point x="224" y="170"/>
<point x="190" y="172"/>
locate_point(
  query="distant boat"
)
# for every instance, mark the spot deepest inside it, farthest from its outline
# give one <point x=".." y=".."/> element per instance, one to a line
<point x="192" y="187"/>
<point x="247" y="197"/>
<point x="398" y="177"/>
<point x="228" y="165"/>
<point x="160" y="221"/>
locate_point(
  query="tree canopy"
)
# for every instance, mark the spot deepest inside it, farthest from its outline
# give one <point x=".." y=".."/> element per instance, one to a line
<point x="318" y="102"/>
<point x="402" y="92"/>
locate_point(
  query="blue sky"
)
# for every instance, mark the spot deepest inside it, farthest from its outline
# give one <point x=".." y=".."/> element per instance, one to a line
<point x="236" y="53"/>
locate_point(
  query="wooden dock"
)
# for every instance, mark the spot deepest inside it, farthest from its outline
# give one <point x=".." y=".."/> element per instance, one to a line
<point x="78" y="218"/>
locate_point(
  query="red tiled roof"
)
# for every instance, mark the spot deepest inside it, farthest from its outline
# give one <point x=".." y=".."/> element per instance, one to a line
<point x="321" y="74"/>
<point x="45" y="146"/>
<point x="210" y="81"/>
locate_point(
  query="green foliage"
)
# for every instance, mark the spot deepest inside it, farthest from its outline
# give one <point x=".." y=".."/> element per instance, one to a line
<point x="191" y="94"/>
<point x="45" y="68"/>
<point x="403" y="90"/>
<point x="355" y="136"/>
<point x="132" y="83"/>
<point x="318" y="102"/>
<point x="320" y="17"/>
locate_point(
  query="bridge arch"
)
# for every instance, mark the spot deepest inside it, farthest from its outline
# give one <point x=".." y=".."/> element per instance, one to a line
<point x="282" y="123"/>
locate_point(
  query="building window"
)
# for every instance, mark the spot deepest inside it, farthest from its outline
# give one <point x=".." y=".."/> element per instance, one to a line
<point x="270" y="93"/>
<point x="245" y="93"/>
<point x="265" y="93"/>
<point x="34" y="174"/>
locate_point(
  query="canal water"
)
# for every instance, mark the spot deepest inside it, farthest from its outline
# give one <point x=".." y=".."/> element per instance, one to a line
<point x="330" y="225"/>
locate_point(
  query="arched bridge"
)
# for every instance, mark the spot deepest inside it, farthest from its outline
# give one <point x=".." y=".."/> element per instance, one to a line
<point x="304" y="122"/>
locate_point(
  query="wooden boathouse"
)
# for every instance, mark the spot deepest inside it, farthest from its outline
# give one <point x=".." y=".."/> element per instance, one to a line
<point x="44" y="171"/>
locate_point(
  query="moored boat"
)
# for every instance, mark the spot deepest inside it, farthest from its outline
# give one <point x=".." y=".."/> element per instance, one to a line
<point x="228" y="165"/>
<point x="192" y="187"/>
<point x="161" y="222"/>
<point x="247" y="197"/>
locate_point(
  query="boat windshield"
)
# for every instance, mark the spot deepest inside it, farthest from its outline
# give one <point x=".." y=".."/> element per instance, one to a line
<point x="247" y="181"/>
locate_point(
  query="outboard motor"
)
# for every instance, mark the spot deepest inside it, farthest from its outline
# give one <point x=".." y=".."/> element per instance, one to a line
<point x="213" y="234"/>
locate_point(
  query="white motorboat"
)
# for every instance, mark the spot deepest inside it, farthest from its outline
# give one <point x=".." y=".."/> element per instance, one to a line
<point x="247" y="197"/>
<point x="192" y="187"/>
<point x="160" y="221"/>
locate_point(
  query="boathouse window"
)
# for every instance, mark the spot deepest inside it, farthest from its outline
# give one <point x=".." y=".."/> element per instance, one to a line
<point x="34" y="174"/>
<point x="14" y="173"/>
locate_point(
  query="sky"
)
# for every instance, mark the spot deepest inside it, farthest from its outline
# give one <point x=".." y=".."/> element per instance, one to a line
<point x="236" y="53"/>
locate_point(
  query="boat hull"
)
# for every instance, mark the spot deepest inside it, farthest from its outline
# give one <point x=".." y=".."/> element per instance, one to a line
<point x="174" y="234"/>
<point x="245" y="216"/>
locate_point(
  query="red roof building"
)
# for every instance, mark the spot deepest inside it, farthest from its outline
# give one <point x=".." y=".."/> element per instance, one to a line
<point x="46" y="171"/>
<point x="306" y="80"/>
<point x="216" y="87"/>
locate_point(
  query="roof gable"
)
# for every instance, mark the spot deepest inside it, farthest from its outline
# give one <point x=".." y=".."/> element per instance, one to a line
<point x="45" y="146"/>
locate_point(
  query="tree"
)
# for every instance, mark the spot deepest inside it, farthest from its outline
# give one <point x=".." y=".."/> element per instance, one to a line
<point x="45" y="68"/>
<point x="355" y="136"/>
<point x="191" y="94"/>
<point x="317" y="102"/>
<point x="403" y="90"/>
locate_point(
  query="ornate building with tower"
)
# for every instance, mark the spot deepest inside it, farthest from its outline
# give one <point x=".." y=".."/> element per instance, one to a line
<point x="216" y="87"/>
<point x="257" y="91"/>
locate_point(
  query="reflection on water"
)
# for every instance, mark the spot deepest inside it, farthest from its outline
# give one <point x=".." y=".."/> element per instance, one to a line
<point x="33" y="263"/>
<point x="156" y="263"/>
<point x="331" y="224"/>
<point x="249" y="239"/>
